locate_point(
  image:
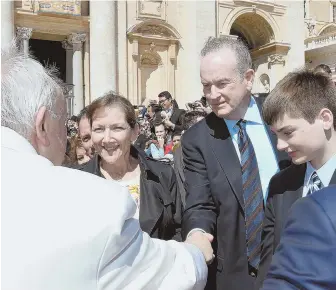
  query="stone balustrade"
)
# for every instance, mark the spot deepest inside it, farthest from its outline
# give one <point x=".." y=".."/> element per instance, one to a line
<point x="320" y="41"/>
<point x="71" y="7"/>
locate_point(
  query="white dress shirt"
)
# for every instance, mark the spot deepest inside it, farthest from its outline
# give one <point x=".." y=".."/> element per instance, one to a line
<point x="324" y="173"/>
<point x="262" y="145"/>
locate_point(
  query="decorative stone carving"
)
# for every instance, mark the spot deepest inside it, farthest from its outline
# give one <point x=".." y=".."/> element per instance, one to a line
<point x="24" y="33"/>
<point x="276" y="59"/>
<point x="311" y="26"/>
<point x="151" y="8"/>
<point x="150" y="56"/>
<point x="76" y="40"/>
<point x="149" y="59"/>
<point x="72" y="7"/>
<point x="154" y="30"/>
<point x="66" y="45"/>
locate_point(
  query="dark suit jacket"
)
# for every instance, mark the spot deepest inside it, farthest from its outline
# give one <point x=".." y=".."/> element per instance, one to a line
<point x="160" y="201"/>
<point x="306" y="257"/>
<point x="179" y="171"/>
<point x="214" y="200"/>
<point x="177" y="119"/>
<point x="285" y="188"/>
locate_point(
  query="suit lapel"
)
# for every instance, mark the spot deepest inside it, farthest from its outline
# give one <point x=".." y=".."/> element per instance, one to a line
<point x="294" y="189"/>
<point x="226" y="154"/>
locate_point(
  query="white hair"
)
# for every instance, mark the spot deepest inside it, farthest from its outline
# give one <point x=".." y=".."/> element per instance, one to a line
<point x="26" y="86"/>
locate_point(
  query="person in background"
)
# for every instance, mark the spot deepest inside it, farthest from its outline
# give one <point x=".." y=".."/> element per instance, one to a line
<point x="189" y="119"/>
<point x="176" y="138"/>
<point x="160" y="147"/>
<point x="305" y="257"/>
<point x="142" y="137"/>
<point x="172" y="118"/>
<point x="153" y="116"/>
<point x="76" y="152"/>
<point x="152" y="184"/>
<point x="66" y="229"/>
<point x="301" y="111"/>
<point x="84" y="132"/>
<point x="323" y="68"/>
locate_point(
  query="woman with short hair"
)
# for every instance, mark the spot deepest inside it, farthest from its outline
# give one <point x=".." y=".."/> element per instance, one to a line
<point x="152" y="184"/>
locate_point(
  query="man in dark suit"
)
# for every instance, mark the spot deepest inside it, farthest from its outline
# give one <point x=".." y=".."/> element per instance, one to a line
<point x="310" y="140"/>
<point x="172" y="116"/>
<point x="229" y="160"/>
<point x="305" y="258"/>
<point x="189" y="119"/>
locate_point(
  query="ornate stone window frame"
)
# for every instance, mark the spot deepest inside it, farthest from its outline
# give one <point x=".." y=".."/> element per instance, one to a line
<point x="150" y="32"/>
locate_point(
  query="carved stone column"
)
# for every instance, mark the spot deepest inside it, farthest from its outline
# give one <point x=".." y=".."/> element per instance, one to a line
<point x="77" y="40"/>
<point x="69" y="55"/>
<point x="103" y="48"/>
<point x="7" y="22"/>
<point x="24" y="34"/>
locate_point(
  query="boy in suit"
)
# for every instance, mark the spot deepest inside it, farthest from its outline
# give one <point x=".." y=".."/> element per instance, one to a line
<point x="301" y="111"/>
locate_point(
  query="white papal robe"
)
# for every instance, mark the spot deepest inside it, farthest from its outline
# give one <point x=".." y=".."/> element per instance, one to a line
<point x="64" y="229"/>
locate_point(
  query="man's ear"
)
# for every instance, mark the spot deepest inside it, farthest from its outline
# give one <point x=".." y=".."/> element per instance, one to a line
<point x="249" y="78"/>
<point x="328" y="119"/>
<point x="40" y="127"/>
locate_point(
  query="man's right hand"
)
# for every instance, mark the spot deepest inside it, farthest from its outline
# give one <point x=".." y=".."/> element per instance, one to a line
<point x="203" y="242"/>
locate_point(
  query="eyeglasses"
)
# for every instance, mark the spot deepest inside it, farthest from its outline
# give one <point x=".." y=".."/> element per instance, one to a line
<point x="162" y="101"/>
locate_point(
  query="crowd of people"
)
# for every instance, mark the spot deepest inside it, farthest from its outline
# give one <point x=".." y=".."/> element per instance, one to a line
<point x="236" y="192"/>
<point x="159" y="128"/>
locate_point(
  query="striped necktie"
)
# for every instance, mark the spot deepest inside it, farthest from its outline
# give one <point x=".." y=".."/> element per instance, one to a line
<point x="253" y="196"/>
<point x="314" y="184"/>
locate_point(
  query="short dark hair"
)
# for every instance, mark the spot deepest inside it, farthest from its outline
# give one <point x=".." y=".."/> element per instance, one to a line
<point x="323" y="68"/>
<point x="190" y="118"/>
<point x="112" y="99"/>
<point x="158" y="123"/>
<point x="176" y="133"/>
<point x="82" y="114"/>
<point x="165" y="94"/>
<point x="301" y="94"/>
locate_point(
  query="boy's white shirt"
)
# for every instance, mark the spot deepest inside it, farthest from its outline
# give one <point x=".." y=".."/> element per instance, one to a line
<point x="325" y="173"/>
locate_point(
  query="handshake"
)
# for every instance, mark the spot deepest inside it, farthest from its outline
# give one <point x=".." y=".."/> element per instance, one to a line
<point x="203" y="242"/>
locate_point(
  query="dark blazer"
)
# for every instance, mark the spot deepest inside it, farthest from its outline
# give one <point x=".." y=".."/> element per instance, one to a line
<point x="305" y="257"/>
<point x="285" y="188"/>
<point x="160" y="201"/>
<point x="214" y="200"/>
<point x="177" y="119"/>
<point x="179" y="171"/>
<point x="140" y="142"/>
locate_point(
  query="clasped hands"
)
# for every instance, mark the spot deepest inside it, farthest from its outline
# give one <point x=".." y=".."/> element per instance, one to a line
<point x="203" y="242"/>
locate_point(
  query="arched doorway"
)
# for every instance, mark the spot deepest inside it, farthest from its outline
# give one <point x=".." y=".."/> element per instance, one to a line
<point x="256" y="32"/>
<point x="261" y="34"/>
<point x="253" y="29"/>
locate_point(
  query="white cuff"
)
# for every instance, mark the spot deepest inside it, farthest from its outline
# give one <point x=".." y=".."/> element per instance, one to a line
<point x="195" y="230"/>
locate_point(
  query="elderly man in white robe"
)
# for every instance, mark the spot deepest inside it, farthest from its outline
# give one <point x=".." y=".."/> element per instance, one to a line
<point x="63" y="229"/>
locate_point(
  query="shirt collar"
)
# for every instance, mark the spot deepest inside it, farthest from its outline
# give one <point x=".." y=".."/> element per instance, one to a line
<point x="252" y="115"/>
<point x="325" y="173"/>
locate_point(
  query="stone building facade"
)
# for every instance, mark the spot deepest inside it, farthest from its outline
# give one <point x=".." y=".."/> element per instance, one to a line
<point x="140" y="48"/>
